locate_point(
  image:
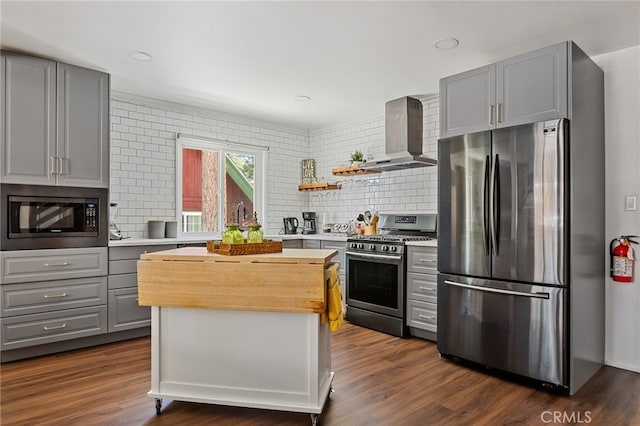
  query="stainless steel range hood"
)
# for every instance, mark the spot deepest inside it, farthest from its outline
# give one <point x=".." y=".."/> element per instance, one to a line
<point x="403" y="137"/>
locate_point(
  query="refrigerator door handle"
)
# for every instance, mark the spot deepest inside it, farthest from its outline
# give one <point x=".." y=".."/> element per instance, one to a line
<point x="495" y="205"/>
<point x="535" y="295"/>
<point x="485" y="207"/>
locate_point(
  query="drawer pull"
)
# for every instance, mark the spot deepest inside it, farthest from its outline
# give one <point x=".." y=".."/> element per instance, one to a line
<point x="56" y="327"/>
<point x="428" y="317"/>
<point x="51" y="296"/>
<point x="427" y="260"/>
<point x="428" y="289"/>
<point x="49" y="265"/>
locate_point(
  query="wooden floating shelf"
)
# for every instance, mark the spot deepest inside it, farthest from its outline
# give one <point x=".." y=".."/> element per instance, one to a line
<point x="352" y="170"/>
<point x="320" y="186"/>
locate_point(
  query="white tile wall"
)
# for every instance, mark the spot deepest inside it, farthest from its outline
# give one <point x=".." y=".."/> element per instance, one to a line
<point x="143" y="137"/>
<point x="143" y="133"/>
<point x="406" y="191"/>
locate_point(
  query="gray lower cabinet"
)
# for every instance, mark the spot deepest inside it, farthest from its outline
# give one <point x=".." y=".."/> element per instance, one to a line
<point x="524" y="89"/>
<point x="39" y="329"/>
<point x="55" y="121"/>
<point x="49" y="296"/>
<point x="124" y="311"/>
<point x="422" y="286"/>
<point x="292" y="244"/>
<point x="339" y="246"/>
<point x="311" y="244"/>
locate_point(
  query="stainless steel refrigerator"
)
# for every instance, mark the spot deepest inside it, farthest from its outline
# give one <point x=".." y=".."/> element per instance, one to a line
<point x="511" y="240"/>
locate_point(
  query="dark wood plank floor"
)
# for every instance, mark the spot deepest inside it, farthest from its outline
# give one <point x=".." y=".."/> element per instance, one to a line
<point x="379" y="380"/>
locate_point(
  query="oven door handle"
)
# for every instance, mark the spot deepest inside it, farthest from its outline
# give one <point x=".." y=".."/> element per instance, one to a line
<point x="374" y="256"/>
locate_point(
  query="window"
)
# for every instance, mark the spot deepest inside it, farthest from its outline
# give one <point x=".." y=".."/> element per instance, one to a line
<point x="217" y="183"/>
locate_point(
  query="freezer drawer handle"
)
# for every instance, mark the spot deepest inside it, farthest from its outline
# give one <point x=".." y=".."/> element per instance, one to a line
<point x="537" y="295"/>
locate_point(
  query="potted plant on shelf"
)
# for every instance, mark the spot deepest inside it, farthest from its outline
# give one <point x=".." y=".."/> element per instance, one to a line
<point x="356" y="158"/>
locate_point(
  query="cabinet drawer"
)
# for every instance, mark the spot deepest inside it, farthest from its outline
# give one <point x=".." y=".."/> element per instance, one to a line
<point x="46" y="296"/>
<point x="293" y="244"/>
<point x="422" y="315"/>
<point x="43" y="265"/>
<point x="422" y="287"/>
<point x="129" y="266"/>
<point x="134" y="252"/>
<point x="122" y="281"/>
<point x="38" y="329"/>
<point x="311" y="244"/>
<point x="124" y="311"/>
<point x="423" y="259"/>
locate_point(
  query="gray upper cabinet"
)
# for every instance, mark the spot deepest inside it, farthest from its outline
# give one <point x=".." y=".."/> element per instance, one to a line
<point x="55" y="123"/>
<point x="466" y="101"/>
<point x="523" y="89"/>
<point x="28" y="120"/>
<point x="83" y="127"/>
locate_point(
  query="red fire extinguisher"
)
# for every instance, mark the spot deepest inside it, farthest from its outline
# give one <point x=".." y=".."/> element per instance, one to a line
<point x="622" y="258"/>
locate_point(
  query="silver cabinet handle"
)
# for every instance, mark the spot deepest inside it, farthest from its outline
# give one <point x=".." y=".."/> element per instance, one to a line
<point x="428" y="289"/>
<point x="49" y="265"/>
<point x="56" y="327"/>
<point x="499" y="113"/>
<point x="52" y="296"/>
<point x="60" y="166"/>
<point x="52" y="166"/>
<point x="491" y="108"/>
<point x="427" y="260"/>
<point x="536" y="295"/>
<point x="429" y="317"/>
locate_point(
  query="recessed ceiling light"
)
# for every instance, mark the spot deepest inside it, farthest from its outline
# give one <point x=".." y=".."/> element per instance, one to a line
<point x="445" y="43"/>
<point x="140" y="56"/>
<point x="302" y="98"/>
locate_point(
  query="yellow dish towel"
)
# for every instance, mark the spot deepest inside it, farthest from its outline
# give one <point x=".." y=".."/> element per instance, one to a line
<point x="334" y="301"/>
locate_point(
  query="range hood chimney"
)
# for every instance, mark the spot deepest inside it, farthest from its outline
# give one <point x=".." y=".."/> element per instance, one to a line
<point x="403" y="137"/>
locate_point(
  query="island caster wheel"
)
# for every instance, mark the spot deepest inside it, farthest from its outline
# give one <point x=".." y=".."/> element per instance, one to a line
<point x="315" y="420"/>
<point x="158" y="406"/>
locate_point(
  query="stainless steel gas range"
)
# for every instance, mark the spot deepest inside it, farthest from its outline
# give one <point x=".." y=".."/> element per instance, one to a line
<point x="376" y="269"/>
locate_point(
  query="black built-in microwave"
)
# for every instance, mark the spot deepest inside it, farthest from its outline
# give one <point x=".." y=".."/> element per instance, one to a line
<point x="47" y="217"/>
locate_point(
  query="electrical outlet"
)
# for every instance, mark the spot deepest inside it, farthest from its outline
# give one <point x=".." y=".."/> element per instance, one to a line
<point x="630" y="203"/>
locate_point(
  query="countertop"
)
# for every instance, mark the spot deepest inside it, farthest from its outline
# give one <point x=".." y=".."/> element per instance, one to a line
<point x="193" y="240"/>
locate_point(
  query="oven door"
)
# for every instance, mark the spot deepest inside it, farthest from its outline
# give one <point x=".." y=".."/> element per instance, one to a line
<point x="375" y="282"/>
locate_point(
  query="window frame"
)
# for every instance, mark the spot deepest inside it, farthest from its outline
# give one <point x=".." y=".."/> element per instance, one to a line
<point x="222" y="147"/>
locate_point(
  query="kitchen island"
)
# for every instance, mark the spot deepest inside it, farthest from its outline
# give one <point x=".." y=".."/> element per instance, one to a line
<point x="239" y="330"/>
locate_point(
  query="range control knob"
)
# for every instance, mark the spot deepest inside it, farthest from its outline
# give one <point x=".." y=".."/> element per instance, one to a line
<point x="360" y="246"/>
<point x="353" y="245"/>
<point x="394" y="248"/>
<point x="372" y="247"/>
<point x="385" y="248"/>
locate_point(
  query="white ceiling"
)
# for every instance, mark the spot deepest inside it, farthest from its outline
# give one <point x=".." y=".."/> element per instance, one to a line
<point x="253" y="58"/>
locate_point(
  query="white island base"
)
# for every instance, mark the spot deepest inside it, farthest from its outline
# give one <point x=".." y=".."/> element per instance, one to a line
<point x="270" y="360"/>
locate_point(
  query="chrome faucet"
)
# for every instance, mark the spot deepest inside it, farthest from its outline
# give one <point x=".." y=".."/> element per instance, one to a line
<point x="244" y="212"/>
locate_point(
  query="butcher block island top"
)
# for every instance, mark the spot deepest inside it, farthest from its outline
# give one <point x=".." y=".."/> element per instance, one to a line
<point x="191" y="277"/>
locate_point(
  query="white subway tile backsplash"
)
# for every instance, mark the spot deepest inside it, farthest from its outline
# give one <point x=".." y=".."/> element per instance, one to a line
<point x="143" y="135"/>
